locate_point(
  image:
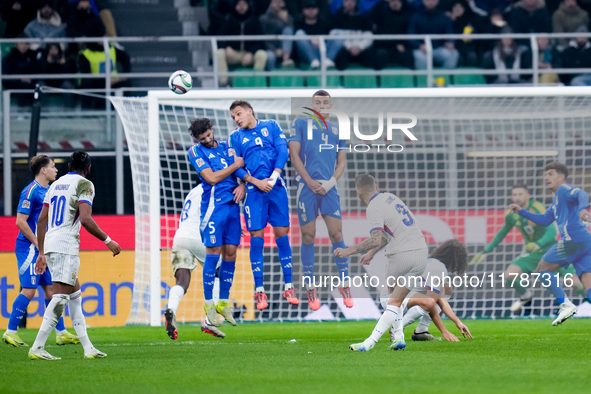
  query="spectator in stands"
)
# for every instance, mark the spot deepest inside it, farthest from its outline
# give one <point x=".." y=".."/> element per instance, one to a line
<point x="392" y="17"/>
<point x="466" y="21"/>
<point x="92" y="60"/>
<point x="218" y="10"/>
<point x="363" y="6"/>
<point x="430" y="20"/>
<point x="485" y="7"/>
<point x="97" y="7"/>
<point x="296" y="7"/>
<point x="530" y="16"/>
<point x="547" y="56"/>
<point x="567" y="18"/>
<point x="241" y="22"/>
<point x="577" y="55"/>
<point x="20" y="60"/>
<point x="80" y="14"/>
<point x="508" y="56"/>
<point x="312" y="24"/>
<point x="278" y="21"/>
<point x="48" y="23"/>
<point x="348" y="21"/>
<point x="53" y="61"/>
<point x="17" y="14"/>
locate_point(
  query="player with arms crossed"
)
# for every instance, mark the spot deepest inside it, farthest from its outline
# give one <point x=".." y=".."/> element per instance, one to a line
<point x="187" y="247"/>
<point x="569" y="210"/>
<point x="220" y="214"/>
<point x="538" y="240"/>
<point x="67" y="205"/>
<point x="318" y="172"/>
<point x="425" y="302"/>
<point x="394" y="226"/>
<point x="263" y="146"/>
<point x="29" y="207"/>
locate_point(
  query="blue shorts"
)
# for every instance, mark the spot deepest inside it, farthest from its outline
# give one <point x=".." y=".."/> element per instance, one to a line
<point x="261" y="208"/>
<point x="576" y="253"/>
<point x="220" y="225"/>
<point x="310" y="204"/>
<point x="26" y="256"/>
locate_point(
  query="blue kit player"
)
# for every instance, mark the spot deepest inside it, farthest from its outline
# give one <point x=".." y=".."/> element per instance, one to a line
<point x="263" y="146"/>
<point x="220" y="214"/>
<point x="29" y="207"/>
<point x="569" y="210"/>
<point x="319" y="163"/>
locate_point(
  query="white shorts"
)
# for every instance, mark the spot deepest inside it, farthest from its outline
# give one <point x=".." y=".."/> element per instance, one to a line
<point x="406" y="268"/>
<point x="63" y="267"/>
<point x="184" y="253"/>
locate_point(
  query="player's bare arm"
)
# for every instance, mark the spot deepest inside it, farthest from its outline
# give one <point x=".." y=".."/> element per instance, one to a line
<point x="41" y="263"/>
<point x="262" y="185"/>
<point x="514" y="208"/>
<point x="446" y="308"/>
<point x="214" y="177"/>
<point x="23" y="226"/>
<point x="368" y="257"/>
<point x="239" y="193"/>
<point x="585" y="215"/>
<point x="90" y="225"/>
<point x="339" y="169"/>
<point x="294" y="154"/>
<point x="378" y="239"/>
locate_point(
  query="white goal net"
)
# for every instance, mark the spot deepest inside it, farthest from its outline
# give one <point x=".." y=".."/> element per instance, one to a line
<point x="473" y="145"/>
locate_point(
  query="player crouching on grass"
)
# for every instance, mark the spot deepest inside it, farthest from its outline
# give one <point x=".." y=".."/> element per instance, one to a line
<point x="426" y="301"/>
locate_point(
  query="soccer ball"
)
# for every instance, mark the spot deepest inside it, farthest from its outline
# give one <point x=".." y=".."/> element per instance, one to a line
<point x="180" y="82"/>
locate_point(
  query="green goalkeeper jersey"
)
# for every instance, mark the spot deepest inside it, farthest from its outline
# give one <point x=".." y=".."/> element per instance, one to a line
<point x="545" y="237"/>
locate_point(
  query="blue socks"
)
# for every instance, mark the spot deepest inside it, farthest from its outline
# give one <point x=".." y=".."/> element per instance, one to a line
<point x="256" y="259"/>
<point x="551" y="280"/>
<point x="342" y="262"/>
<point x="307" y="252"/>
<point x="285" y="257"/>
<point x="19" y="307"/>
<point x="60" y="323"/>
<point x="209" y="266"/>
<point x="226" y="278"/>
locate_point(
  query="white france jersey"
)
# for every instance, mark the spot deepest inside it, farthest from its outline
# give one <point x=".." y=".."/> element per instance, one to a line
<point x="191" y="215"/>
<point x="386" y="212"/>
<point x="434" y="275"/>
<point x="63" y="222"/>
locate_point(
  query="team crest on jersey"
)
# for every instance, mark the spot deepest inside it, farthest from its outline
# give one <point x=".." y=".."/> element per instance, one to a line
<point x="335" y="131"/>
<point x="33" y="280"/>
<point x="212" y="238"/>
<point x="200" y="162"/>
<point x="264" y="131"/>
<point x="26" y="204"/>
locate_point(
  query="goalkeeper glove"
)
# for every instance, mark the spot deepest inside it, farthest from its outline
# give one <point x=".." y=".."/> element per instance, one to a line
<point x="327" y="185"/>
<point x="479" y="258"/>
<point x="273" y="177"/>
<point x="532" y="247"/>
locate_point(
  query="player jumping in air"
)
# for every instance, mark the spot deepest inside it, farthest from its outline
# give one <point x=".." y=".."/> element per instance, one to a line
<point x="394" y="226"/>
<point x="318" y="172"/>
<point x="263" y="146"/>
<point x="187" y="247"/>
<point x="425" y="302"/>
<point x="29" y="207"/>
<point x="569" y="210"/>
<point x="538" y="240"/>
<point x="67" y="206"/>
<point x="220" y="215"/>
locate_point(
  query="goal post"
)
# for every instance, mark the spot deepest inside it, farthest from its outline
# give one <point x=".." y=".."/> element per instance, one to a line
<point x="473" y="145"/>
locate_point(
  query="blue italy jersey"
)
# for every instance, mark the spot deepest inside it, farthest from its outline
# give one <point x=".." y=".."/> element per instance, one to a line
<point x="565" y="208"/>
<point x="30" y="203"/>
<point x="320" y="163"/>
<point x="216" y="159"/>
<point x="260" y="147"/>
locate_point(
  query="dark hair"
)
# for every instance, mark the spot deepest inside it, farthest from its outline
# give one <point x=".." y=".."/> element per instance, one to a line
<point x="520" y="186"/>
<point x="241" y="103"/>
<point x="558" y="167"/>
<point x="453" y="254"/>
<point x="38" y="162"/>
<point x="79" y="161"/>
<point x="365" y="182"/>
<point x="322" y="93"/>
<point x="199" y="126"/>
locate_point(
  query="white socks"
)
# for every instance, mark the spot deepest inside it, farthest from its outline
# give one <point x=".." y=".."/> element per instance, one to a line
<point x="413" y="314"/>
<point x="392" y="316"/>
<point x="78" y="320"/>
<point x="52" y="314"/>
<point x="175" y="295"/>
<point x="260" y="289"/>
<point x="287" y="286"/>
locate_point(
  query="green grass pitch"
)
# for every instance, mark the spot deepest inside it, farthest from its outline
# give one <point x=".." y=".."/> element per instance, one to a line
<point x="505" y="356"/>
